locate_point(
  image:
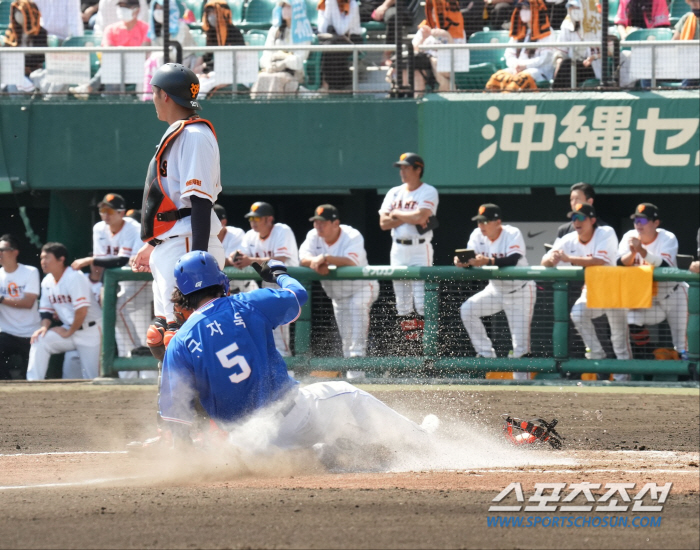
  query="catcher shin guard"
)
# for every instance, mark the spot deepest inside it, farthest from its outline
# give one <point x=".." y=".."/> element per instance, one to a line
<point x="537" y="430"/>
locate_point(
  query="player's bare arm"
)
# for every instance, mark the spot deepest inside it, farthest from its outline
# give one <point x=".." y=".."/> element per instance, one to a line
<point x="142" y="259"/>
<point x="581" y="261"/>
<point x="81" y="263"/>
<point x="78" y="321"/>
<point x="415" y="218"/>
<point x="39" y="333"/>
<point x="551" y="259"/>
<point x="386" y="222"/>
<point x="27" y="302"/>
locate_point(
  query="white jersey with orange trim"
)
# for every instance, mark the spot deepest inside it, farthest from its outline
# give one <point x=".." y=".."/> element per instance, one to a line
<point x="106" y="245"/>
<point x="400" y="198"/>
<point x="509" y="242"/>
<point x="350" y="244"/>
<point x="71" y="293"/>
<point x="279" y="243"/>
<point x="602" y="245"/>
<point x="665" y="245"/>
<point x="233" y="240"/>
<point x="190" y="167"/>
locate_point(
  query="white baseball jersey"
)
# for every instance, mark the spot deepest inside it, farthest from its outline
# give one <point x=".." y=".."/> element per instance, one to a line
<point x="350" y="244"/>
<point x="71" y="293"/>
<point x="665" y="246"/>
<point x="191" y="167"/>
<point x="509" y="242"/>
<point x="279" y="243"/>
<point x="22" y="281"/>
<point x="233" y="240"/>
<point x="107" y="245"/>
<point x="602" y="245"/>
<point x="400" y="198"/>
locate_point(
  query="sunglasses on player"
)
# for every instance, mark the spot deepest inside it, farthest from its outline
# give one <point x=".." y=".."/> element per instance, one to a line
<point x="255" y="218"/>
<point x="107" y="211"/>
<point x="641" y="221"/>
<point x="578" y="217"/>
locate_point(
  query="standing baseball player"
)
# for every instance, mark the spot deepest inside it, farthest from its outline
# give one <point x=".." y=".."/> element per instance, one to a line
<point x="332" y="243"/>
<point x="408" y="211"/>
<point x="498" y="245"/>
<point x="647" y="244"/>
<point x="65" y="293"/>
<point x="268" y="240"/>
<point x="182" y="184"/>
<point x="223" y="358"/>
<point x="19" y="315"/>
<point x="591" y="246"/>
<point x="581" y="193"/>
<point x="113" y="239"/>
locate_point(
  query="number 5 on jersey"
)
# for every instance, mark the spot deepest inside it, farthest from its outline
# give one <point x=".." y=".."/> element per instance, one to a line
<point x="235" y="361"/>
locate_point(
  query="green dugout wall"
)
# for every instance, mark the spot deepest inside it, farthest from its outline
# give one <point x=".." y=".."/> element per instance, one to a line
<point x="516" y="149"/>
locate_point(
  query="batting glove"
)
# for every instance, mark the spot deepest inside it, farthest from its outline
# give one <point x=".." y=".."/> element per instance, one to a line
<point x="270" y="270"/>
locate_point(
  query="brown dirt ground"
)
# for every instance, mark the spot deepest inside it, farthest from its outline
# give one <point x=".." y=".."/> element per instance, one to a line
<point x="116" y="500"/>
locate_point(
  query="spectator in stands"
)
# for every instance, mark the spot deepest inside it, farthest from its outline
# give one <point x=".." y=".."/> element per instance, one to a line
<point x="526" y="66"/>
<point x="129" y="31"/>
<point x="282" y="71"/>
<point x="426" y="75"/>
<point x="581" y="193"/>
<point x="179" y="32"/>
<point x="497" y="14"/>
<point x="331" y="243"/>
<point x="217" y="24"/>
<point x="107" y="13"/>
<point x="589" y="246"/>
<point x="641" y="14"/>
<point x="558" y="10"/>
<point x="88" y="10"/>
<point x="24" y="31"/>
<point x="232" y="240"/>
<point x="580" y="25"/>
<point x="268" y="240"/>
<point x="502" y="246"/>
<point x="338" y="23"/>
<point x="445" y="15"/>
<point x="61" y="18"/>
<point x="386" y="12"/>
<point x="647" y="244"/>
<point x="688" y="28"/>
<point x="66" y="294"/>
<point x="19" y="315"/>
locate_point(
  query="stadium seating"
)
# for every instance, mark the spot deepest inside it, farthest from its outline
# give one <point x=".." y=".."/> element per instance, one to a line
<point x="4" y="15"/>
<point x="648" y="34"/>
<point x="312" y="12"/>
<point x="196" y="7"/>
<point x="678" y="9"/>
<point x="612" y="10"/>
<point x="236" y="11"/>
<point x="255" y="37"/>
<point x="482" y="63"/>
<point x="258" y="15"/>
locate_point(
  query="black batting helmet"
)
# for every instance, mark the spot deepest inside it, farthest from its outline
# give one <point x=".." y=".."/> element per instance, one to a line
<point x="180" y="83"/>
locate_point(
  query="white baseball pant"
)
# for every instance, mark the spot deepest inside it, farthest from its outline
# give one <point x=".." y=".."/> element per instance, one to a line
<point x="326" y="411"/>
<point x="518" y="306"/>
<point x="162" y="263"/>
<point x="671" y="305"/>
<point x="133" y="315"/>
<point x="352" y="317"/>
<point x="582" y="317"/>
<point x="410" y="294"/>
<point x="86" y="342"/>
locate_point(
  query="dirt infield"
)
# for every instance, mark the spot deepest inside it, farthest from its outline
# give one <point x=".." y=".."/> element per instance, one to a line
<point x="65" y="481"/>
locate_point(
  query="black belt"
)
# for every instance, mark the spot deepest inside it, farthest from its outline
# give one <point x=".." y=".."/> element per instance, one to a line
<point x="516" y="290"/>
<point x="90" y="324"/>
<point x="156" y="242"/>
<point x="409" y="241"/>
<point x="173" y="215"/>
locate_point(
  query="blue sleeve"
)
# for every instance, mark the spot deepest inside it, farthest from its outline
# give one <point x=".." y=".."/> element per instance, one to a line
<point x="280" y="306"/>
<point x="177" y="386"/>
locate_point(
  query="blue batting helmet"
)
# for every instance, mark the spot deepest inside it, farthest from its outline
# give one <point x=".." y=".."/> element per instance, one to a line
<point x="197" y="270"/>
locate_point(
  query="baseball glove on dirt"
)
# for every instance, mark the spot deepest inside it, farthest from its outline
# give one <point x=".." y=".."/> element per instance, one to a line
<point x="536" y="430"/>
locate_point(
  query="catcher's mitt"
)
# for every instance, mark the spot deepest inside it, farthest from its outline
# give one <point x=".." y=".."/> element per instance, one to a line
<point x="536" y="430"/>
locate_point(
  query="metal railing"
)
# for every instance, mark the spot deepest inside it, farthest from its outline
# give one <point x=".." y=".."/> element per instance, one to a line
<point x="671" y="61"/>
<point x="434" y="358"/>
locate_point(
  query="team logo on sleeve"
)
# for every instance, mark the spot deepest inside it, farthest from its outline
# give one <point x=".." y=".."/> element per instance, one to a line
<point x="164" y="169"/>
<point x="194" y="90"/>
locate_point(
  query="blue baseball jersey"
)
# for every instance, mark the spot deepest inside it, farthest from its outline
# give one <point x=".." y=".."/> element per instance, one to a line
<point x="225" y="355"/>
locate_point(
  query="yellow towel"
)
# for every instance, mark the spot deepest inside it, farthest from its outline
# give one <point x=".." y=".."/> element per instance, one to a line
<point x="619" y="287"/>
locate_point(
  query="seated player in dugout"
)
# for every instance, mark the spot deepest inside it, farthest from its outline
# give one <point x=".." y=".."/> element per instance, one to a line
<point x="500" y="245"/>
<point x="223" y="360"/>
<point x="648" y="244"/>
<point x="589" y="246"/>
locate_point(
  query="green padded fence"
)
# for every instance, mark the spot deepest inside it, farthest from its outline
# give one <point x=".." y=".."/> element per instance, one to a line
<point x="432" y="360"/>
